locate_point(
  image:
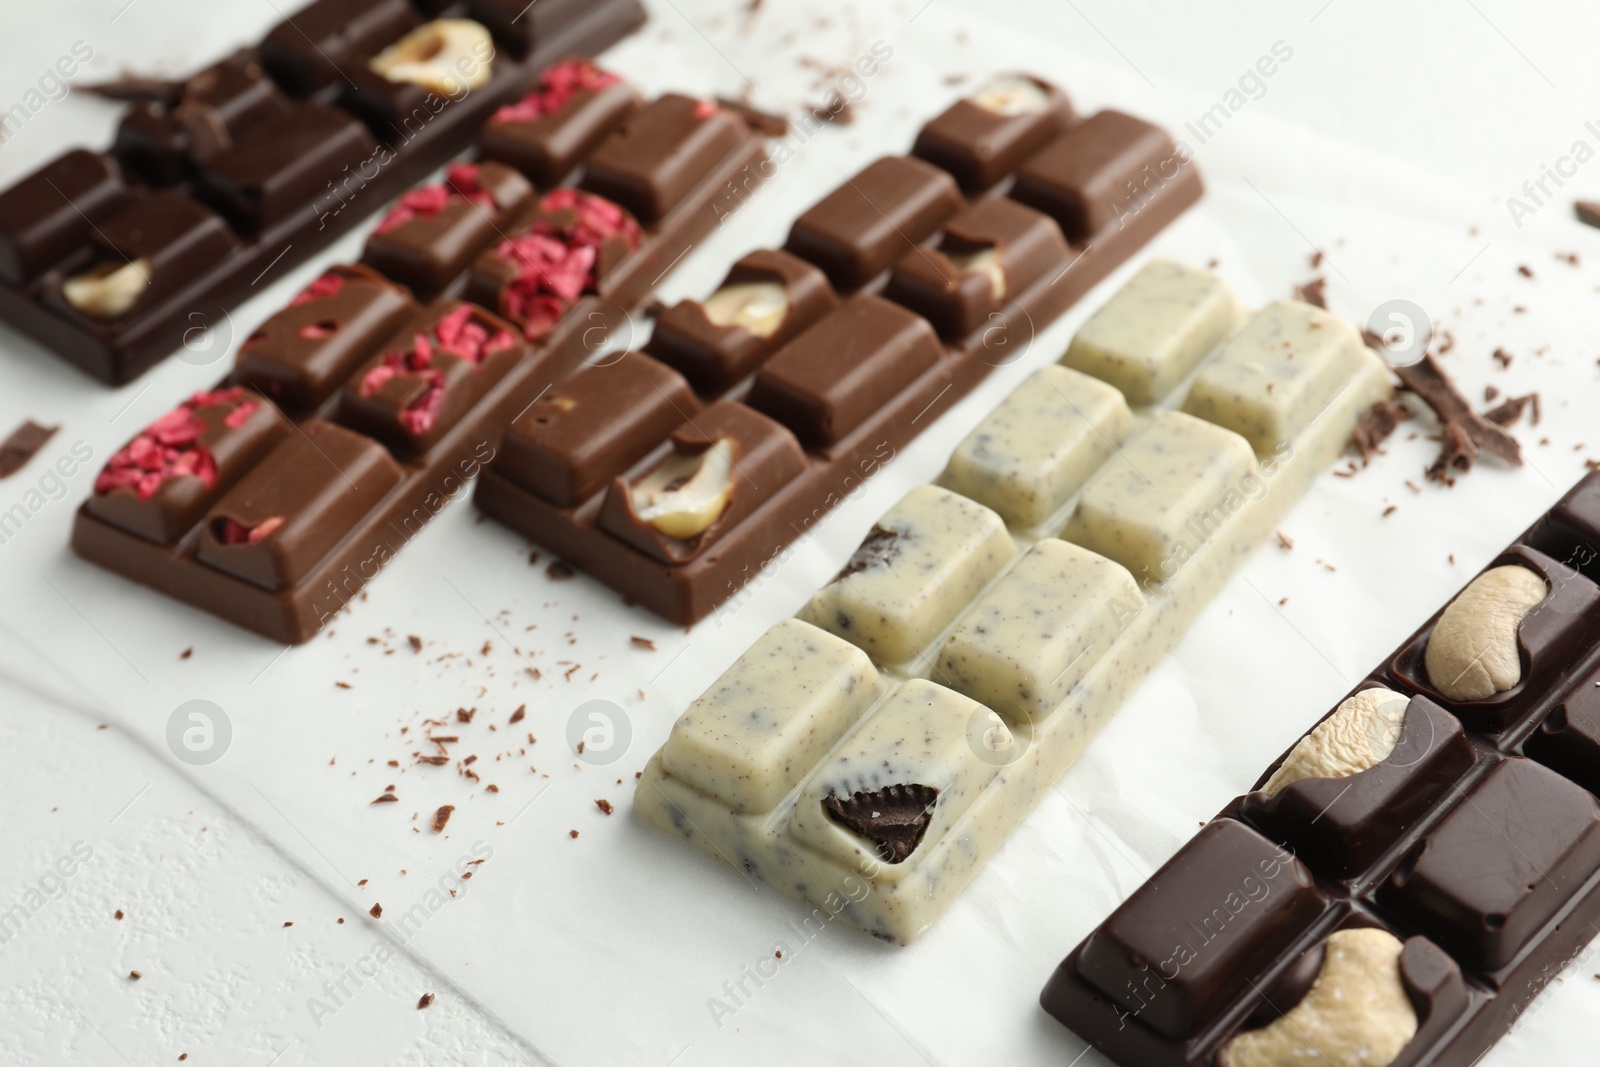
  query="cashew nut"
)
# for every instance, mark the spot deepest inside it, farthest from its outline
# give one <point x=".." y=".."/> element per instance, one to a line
<point x="982" y="261"/>
<point x="109" y="290"/>
<point x="1357" y="1013"/>
<point x="1359" y="735"/>
<point x="445" y="55"/>
<point x="686" y="494"/>
<point x="1012" y="94"/>
<point x="759" y="307"/>
<point x="1472" y="653"/>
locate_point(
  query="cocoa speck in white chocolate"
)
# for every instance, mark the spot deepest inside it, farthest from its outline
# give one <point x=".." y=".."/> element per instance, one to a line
<point x="1473" y="651"/>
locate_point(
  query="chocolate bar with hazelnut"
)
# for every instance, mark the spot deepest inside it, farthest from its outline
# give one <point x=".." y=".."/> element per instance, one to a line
<point x="847" y="384"/>
<point x="276" y="141"/>
<point x="1448" y="802"/>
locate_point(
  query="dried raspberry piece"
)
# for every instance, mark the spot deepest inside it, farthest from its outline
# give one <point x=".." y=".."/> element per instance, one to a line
<point x="316" y="331"/>
<point x="459" y="334"/>
<point x="557" y="86"/>
<point x="234" y="532"/>
<point x="704" y="109"/>
<point x="170" y="446"/>
<point x="326" y="286"/>
<point x="463" y="181"/>
<point x="598" y="219"/>
<point x="420" y="415"/>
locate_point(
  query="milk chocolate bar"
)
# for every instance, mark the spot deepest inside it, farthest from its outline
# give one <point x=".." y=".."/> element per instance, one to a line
<point x="921" y="702"/>
<point x="1428" y="853"/>
<point x="892" y="298"/>
<point x="352" y="415"/>
<point x="336" y="112"/>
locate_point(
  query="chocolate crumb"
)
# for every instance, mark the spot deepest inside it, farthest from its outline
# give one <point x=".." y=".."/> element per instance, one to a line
<point x="23" y="444"/>
<point x="186" y="653"/>
<point x="572" y="834"/>
<point x="763" y="122"/>
<point x="135" y="975"/>
<point x="1508" y="412"/>
<point x="434" y="761"/>
<point x="416" y="643"/>
<point x="519" y="714"/>
<point x="1376" y="425"/>
<point x="117" y="915"/>
<point x="465" y="715"/>
<point x="559" y="571"/>
<point x="1502" y="357"/>
<point x="441" y="817"/>
<point x="288" y="924"/>
<point x="1314" y="292"/>
<point x="1525" y="270"/>
<point x="605" y="806"/>
<point x="1285" y="542"/>
<point x="343" y="685"/>
<point x="1316" y="259"/>
<point x="1588" y="213"/>
<point x="643" y="642"/>
<point x="136" y="89"/>
<point x="424" y="1001"/>
<point x="1390" y="510"/>
<point x="376" y="911"/>
<point x="387" y="798"/>
<point x="1490" y="394"/>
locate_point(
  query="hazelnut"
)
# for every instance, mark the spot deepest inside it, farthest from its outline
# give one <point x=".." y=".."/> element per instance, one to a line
<point x="1012" y="94"/>
<point x="1357" y="1013"/>
<point x="1358" y="736"/>
<point x="686" y="494"/>
<point x="759" y="307"/>
<point x="448" y="56"/>
<point x="1472" y="652"/>
<point x="982" y="261"/>
<point x="108" y="290"/>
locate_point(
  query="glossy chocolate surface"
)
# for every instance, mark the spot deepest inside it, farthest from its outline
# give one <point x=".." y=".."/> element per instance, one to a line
<point x="651" y="161"/>
<point x="54" y="210"/>
<point x="1097" y="172"/>
<point x="979" y="147"/>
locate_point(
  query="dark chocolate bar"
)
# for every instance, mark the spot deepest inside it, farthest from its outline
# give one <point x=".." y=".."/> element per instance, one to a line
<point x="352" y="416"/>
<point x="683" y="524"/>
<point x="1444" y="836"/>
<point x="342" y="106"/>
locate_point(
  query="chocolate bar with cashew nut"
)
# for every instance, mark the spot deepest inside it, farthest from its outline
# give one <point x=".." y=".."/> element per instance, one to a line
<point x="285" y="147"/>
<point x="893" y="297"/>
<point x="1401" y="885"/>
<point x="1003" y="614"/>
<point x="353" y="416"/>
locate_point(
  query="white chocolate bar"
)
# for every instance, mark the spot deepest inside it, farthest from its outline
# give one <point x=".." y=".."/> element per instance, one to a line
<point x="1180" y="505"/>
<point x="1153" y="332"/>
<point x="1029" y="455"/>
<point x="1278" y="373"/>
<point x="771" y="716"/>
<point x="923" y="562"/>
<point x="1034" y="636"/>
<point x="1170" y="489"/>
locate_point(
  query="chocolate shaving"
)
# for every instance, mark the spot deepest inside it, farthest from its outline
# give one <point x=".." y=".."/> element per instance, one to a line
<point x="441" y="817"/>
<point x="1314" y="292"/>
<point x="387" y="798"/>
<point x="1464" y="432"/>
<point x="1588" y="212"/>
<point x="763" y="122"/>
<point x="424" y="1001"/>
<point x="642" y="642"/>
<point x="559" y="571"/>
<point x="23" y="444"/>
<point x="878" y="550"/>
<point x="136" y="89"/>
<point x="605" y="806"/>
<point x="893" y="819"/>
<point x="1376" y="425"/>
<point x="517" y="716"/>
<point x="1510" y="410"/>
<point x="376" y="911"/>
<point x="844" y="114"/>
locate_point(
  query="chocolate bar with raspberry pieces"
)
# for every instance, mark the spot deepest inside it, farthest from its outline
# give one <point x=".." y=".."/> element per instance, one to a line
<point x="559" y="121"/>
<point x="435" y="231"/>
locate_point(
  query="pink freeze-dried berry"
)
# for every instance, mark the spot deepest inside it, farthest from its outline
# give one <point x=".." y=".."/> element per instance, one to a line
<point x="237" y="533"/>
<point x="326" y="286"/>
<point x="558" y="85"/>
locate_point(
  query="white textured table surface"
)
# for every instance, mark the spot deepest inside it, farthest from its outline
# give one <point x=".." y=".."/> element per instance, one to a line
<point x="1392" y="138"/>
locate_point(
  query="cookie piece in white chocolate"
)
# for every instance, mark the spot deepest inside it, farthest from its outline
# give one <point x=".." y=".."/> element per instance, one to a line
<point x="1027" y="458"/>
<point x="755" y="733"/>
<point x="1039" y="630"/>
<point x="922" y="563"/>
<point x="1150" y="335"/>
<point x="1281" y="370"/>
<point x="920" y="748"/>
<point x="1171" y="488"/>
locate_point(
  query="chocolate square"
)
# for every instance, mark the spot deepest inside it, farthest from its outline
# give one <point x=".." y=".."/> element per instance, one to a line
<point x="278" y="522"/>
<point x="302" y="354"/>
<point x="284" y="165"/>
<point x="1568" y="740"/>
<point x="1026" y="244"/>
<point x="1187" y="942"/>
<point x="590" y="428"/>
<point x="1570" y="532"/>
<point x="654" y="159"/>
<point x="714" y="357"/>
<point x="176" y="238"/>
<point x="830" y="379"/>
<point x="1099" y="172"/>
<point x="545" y="136"/>
<point x="858" y="231"/>
<point x="429" y="374"/>
<point x="435" y="231"/>
<point x="980" y="147"/>
<point x="1501" y="865"/>
<point x="310" y="49"/>
<point x="765" y="458"/>
<point x="158" y="485"/>
<point x="54" y="210"/>
<point x="1341" y="826"/>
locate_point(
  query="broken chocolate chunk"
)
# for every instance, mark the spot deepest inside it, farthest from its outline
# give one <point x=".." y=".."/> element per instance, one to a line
<point x="893" y="819"/>
<point x="1510" y="410"/>
<point x="1588" y="212"/>
<point x="136" y="89"/>
<point x="1376" y="426"/>
<point x="1314" y="292"/>
<point x="878" y="550"/>
<point x="23" y="444"/>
